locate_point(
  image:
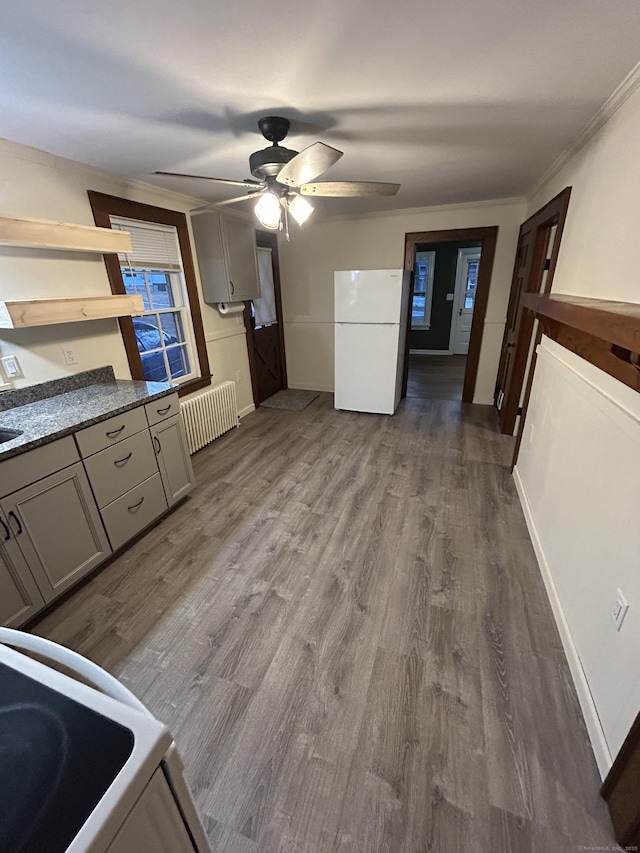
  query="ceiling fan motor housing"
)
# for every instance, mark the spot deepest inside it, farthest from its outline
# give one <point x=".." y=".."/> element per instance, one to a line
<point x="268" y="162"/>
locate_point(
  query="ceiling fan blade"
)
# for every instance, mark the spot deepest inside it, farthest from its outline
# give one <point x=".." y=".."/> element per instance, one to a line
<point x="245" y="183"/>
<point x="348" y="189"/>
<point x="308" y="164"/>
<point x="238" y="198"/>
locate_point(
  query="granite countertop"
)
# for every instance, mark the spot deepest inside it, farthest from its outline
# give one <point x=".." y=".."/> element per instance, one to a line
<point x="54" y="409"/>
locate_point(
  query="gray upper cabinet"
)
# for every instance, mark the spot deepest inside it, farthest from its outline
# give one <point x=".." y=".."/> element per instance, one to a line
<point x="20" y="598"/>
<point x="57" y="527"/>
<point x="174" y="462"/>
<point x="227" y="258"/>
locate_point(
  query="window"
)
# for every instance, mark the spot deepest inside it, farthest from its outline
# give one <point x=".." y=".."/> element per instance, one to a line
<point x="165" y="342"/>
<point x="164" y="332"/>
<point x="423" y="290"/>
<point x="472" y="281"/>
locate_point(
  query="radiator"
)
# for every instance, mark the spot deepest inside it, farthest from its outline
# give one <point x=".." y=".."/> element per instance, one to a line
<point x="209" y="414"/>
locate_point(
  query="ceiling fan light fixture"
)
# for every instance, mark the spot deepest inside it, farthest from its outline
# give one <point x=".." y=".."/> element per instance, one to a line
<point x="300" y="209"/>
<point x="267" y="209"/>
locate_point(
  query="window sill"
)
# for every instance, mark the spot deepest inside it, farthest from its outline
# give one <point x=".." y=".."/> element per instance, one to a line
<point x="193" y="385"/>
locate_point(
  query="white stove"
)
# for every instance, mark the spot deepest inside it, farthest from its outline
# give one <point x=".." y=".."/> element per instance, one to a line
<point x="85" y="769"/>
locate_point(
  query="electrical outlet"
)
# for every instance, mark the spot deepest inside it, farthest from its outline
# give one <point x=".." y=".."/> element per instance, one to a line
<point x="11" y="366"/>
<point x="69" y="355"/>
<point x="238" y="376"/>
<point x="619" y="610"/>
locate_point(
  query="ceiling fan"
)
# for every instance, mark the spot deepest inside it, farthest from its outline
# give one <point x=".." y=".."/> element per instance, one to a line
<point x="285" y="176"/>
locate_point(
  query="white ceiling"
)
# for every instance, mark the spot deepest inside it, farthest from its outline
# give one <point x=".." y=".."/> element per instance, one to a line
<point x="458" y="101"/>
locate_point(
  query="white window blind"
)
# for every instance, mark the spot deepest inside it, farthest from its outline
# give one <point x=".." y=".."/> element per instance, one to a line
<point x="155" y="246"/>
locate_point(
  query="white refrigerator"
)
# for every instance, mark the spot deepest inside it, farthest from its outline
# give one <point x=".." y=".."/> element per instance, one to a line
<point x="371" y="311"/>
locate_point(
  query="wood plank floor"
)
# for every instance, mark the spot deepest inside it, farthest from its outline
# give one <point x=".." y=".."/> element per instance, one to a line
<point x="436" y="377"/>
<point x="346" y="630"/>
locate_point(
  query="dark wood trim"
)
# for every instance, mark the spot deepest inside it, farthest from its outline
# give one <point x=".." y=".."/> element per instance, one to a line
<point x="554" y="212"/>
<point x="620" y="789"/>
<point x="489" y="237"/>
<point x="102" y="206"/>
<point x="267" y="240"/>
<point x="250" y="352"/>
<point x="617" y="322"/>
<point x="604" y="333"/>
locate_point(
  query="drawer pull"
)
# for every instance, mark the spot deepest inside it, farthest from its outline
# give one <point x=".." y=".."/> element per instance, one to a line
<point x="7" y="532"/>
<point x="156" y="444"/>
<point x="17" y="520"/>
<point x="124" y="459"/>
<point x="135" y="506"/>
<point x="164" y="411"/>
<point x="115" y="431"/>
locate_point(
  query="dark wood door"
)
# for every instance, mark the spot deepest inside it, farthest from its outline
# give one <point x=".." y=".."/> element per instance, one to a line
<point x="263" y="321"/>
<point x="536" y="255"/>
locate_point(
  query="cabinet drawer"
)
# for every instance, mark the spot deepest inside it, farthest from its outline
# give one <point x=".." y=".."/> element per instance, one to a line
<point x="116" y="470"/>
<point x="165" y="407"/>
<point x="32" y="465"/>
<point x="97" y="437"/>
<point x="132" y="512"/>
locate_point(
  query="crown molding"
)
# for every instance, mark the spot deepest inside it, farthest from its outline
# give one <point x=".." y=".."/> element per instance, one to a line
<point x="610" y="107"/>
<point x="436" y="208"/>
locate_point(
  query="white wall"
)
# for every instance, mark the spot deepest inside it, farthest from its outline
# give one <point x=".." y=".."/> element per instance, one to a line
<point x="377" y="242"/>
<point x="577" y="470"/>
<point x="36" y="184"/>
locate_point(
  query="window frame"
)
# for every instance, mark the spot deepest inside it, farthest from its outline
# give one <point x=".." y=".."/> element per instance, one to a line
<point x="104" y="206"/>
<point x="425" y="325"/>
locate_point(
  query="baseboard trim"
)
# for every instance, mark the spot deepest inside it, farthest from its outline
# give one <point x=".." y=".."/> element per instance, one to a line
<point x="431" y="351"/>
<point x="310" y="387"/>
<point x="591" y="718"/>
<point x="246" y="411"/>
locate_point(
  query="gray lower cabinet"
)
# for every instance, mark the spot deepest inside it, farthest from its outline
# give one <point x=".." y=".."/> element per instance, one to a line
<point x="20" y="598"/>
<point x="62" y="517"/>
<point x="58" y="529"/>
<point x="133" y="511"/>
<point x="174" y="462"/>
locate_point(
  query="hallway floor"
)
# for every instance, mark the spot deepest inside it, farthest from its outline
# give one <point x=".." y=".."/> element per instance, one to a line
<point x="347" y="633"/>
<point x="436" y="377"/>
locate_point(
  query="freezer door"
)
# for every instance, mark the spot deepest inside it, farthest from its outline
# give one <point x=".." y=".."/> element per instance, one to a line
<point x="368" y="296"/>
<point x="366" y="367"/>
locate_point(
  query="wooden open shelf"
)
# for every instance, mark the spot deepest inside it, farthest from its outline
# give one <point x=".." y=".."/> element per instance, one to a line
<point x="24" y="313"/>
<point x="603" y="332"/>
<point x="45" y="234"/>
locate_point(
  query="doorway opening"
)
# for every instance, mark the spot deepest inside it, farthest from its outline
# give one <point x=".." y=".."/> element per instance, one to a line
<point x="263" y="322"/>
<point x="450" y="288"/>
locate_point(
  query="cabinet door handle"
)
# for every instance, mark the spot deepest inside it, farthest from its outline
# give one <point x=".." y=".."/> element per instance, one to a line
<point x="7" y="532"/>
<point x="163" y="411"/>
<point x="17" y="520"/>
<point x="233" y="290"/>
<point x="124" y="459"/>
<point x="135" y="506"/>
<point x="157" y="445"/>
<point x="114" y="431"/>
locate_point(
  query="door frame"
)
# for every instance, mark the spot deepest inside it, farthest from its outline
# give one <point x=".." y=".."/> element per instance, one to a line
<point x="458" y="292"/>
<point x="554" y="212"/>
<point x="488" y="235"/>
<point x="266" y="240"/>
